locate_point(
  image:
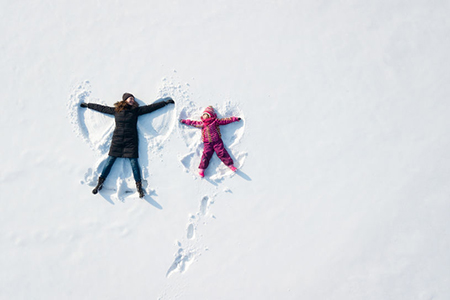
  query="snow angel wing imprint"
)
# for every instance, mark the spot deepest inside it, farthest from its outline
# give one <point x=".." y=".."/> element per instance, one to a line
<point x="125" y="141"/>
<point x="212" y="138"/>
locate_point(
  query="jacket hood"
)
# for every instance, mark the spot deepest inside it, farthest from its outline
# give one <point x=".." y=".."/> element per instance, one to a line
<point x="210" y="111"/>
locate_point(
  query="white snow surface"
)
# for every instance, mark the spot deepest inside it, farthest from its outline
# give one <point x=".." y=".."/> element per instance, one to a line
<point x="343" y="152"/>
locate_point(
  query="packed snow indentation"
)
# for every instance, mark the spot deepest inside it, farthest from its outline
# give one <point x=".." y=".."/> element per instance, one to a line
<point x="231" y="135"/>
<point x="190" y="247"/>
<point x="96" y="130"/>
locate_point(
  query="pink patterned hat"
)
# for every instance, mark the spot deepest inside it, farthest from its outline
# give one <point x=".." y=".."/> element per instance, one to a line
<point x="210" y="111"/>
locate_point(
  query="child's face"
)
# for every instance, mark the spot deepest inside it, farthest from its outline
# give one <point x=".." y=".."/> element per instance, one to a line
<point x="205" y="116"/>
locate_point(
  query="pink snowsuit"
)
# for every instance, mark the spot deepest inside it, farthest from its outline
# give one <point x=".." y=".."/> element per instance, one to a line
<point x="211" y="137"/>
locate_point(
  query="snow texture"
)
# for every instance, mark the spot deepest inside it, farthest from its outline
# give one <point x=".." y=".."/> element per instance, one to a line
<point x="342" y="152"/>
<point x="96" y="129"/>
<point x="154" y="129"/>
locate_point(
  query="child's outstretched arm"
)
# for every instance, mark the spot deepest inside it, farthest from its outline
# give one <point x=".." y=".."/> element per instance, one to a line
<point x="229" y="120"/>
<point x="198" y="124"/>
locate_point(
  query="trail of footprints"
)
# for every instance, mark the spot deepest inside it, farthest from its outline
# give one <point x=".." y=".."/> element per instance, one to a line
<point x="190" y="249"/>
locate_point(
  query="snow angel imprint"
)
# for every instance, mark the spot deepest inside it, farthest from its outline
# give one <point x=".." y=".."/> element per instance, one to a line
<point x="125" y="137"/>
<point x="212" y="138"/>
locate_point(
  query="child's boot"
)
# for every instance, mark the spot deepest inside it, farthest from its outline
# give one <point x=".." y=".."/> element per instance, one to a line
<point x="233" y="168"/>
<point x="201" y="172"/>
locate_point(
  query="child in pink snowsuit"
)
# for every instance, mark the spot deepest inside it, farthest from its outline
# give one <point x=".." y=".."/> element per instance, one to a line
<point x="212" y="138"/>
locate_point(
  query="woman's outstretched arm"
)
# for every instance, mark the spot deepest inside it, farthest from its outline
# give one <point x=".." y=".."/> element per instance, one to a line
<point x="152" y="107"/>
<point x="100" y="108"/>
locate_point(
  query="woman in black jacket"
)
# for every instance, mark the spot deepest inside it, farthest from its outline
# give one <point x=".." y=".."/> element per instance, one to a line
<point x="125" y="137"/>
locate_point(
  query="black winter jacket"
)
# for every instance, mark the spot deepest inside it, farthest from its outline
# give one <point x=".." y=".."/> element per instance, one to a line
<point x="125" y="137"/>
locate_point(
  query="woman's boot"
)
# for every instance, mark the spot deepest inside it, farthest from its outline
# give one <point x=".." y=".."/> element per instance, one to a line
<point x="99" y="185"/>
<point x="139" y="189"/>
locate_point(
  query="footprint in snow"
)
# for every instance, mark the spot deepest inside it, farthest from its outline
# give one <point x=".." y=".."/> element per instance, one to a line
<point x="192" y="248"/>
<point x="190" y="231"/>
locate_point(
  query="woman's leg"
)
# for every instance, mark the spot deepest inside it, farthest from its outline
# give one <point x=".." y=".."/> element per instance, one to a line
<point x="136" y="169"/>
<point x="108" y="165"/>
<point x="106" y="169"/>
<point x="137" y="175"/>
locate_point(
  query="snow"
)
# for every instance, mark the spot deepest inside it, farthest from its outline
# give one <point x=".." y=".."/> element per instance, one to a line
<point x="342" y="189"/>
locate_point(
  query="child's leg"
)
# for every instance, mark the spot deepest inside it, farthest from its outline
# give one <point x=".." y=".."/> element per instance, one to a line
<point x="208" y="151"/>
<point x="222" y="153"/>
<point x="136" y="169"/>
<point x="107" y="168"/>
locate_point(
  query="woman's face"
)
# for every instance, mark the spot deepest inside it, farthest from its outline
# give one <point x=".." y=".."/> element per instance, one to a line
<point x="130" y="101"/>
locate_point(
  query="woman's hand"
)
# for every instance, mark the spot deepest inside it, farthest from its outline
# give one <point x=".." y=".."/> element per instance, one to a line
<point x="83" y="104"/>
<point x="170" y="100"/>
